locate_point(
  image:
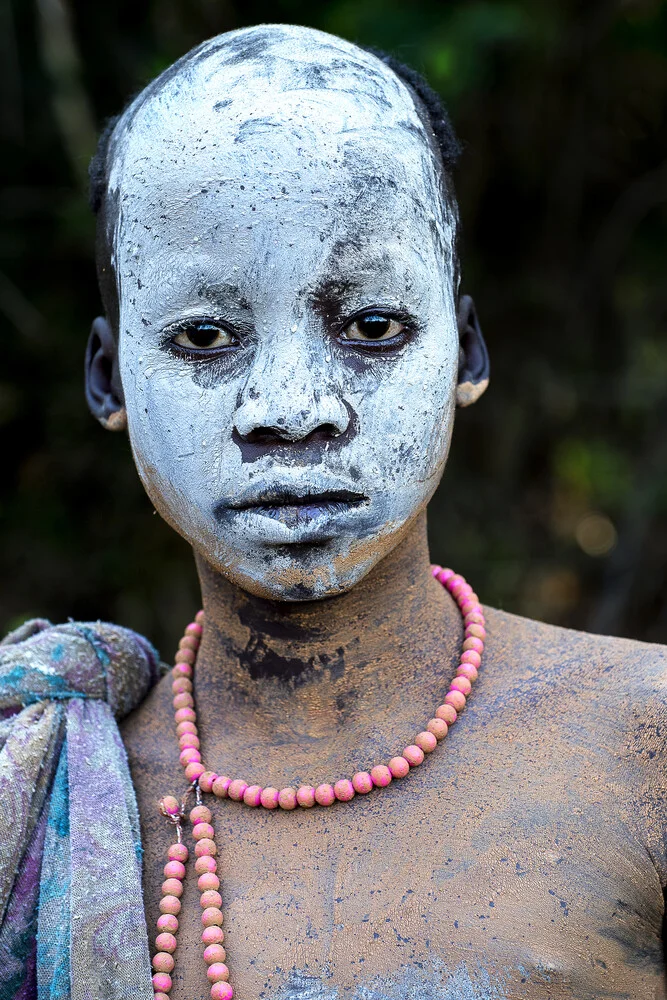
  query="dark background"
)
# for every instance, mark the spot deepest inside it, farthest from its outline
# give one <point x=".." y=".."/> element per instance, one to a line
<point x="554" y="500"/>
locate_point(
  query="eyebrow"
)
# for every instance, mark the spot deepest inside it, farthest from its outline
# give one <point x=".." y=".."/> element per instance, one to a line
<point x="327" y="294"/>
<point x="221" y="293"/>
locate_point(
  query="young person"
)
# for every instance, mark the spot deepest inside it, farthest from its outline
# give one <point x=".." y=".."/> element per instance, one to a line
<point x="285" y="341"/>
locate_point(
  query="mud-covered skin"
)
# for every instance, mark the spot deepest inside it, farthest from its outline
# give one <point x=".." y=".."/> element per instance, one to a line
<point x="524" y="859"/>
<point x="280" y="182"/>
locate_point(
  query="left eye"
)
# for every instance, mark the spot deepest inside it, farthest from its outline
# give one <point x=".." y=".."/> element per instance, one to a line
<point x="203" y="336"/>
<point x="373" y="328"/>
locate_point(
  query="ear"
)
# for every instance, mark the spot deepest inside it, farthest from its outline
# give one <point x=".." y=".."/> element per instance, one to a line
<point x="103" y="390"/>
<point x="473" y="355"/>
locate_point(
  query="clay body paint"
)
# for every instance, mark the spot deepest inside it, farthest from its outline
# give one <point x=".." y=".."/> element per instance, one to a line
<point x="278" y="185"/>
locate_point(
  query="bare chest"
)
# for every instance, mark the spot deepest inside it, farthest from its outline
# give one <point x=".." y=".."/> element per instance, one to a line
<point x="476" y="878"/>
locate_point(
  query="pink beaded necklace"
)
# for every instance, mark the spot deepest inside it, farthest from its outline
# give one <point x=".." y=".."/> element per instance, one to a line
<point x="202" y="781"/>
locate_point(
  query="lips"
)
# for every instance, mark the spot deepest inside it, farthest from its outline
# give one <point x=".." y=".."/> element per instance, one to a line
<point x="295" y="507"/>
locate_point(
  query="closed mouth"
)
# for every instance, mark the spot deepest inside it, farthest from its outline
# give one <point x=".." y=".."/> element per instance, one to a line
<point x="275" y="499"/>
<point x="294" y="509"/>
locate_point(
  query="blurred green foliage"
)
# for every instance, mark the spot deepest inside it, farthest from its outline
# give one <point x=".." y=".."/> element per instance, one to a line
<point x="555" y="496"/>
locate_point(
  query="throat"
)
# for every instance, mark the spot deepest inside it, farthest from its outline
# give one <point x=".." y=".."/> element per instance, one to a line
<point x="329" y="672"/>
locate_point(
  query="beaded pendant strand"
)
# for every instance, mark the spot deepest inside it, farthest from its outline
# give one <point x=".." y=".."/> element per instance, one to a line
<point x="200" y="780"/>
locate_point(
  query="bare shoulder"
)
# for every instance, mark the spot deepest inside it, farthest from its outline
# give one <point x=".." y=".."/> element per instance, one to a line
<point x="624" y="674"/>
<point x="599" y="701"/>
<point x="148" y="735"/>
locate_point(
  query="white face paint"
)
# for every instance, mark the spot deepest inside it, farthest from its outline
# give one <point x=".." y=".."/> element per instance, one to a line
<point x="274" y="195"/>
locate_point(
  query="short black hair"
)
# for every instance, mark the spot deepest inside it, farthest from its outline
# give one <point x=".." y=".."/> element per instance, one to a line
<point x="428" y="101"/>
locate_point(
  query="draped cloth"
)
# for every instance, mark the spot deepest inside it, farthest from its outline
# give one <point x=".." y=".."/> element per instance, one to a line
<point x="72" y="923"/>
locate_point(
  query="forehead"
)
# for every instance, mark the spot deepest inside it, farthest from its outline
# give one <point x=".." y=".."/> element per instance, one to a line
<point x="276" y="128"/>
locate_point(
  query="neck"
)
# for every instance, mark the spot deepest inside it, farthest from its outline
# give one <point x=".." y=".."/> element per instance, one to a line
<point x="326" y="673"/>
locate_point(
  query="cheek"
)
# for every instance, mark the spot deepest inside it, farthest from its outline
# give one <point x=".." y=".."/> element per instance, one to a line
<point x="178" y="430"/>
<point x="407" y="420"/>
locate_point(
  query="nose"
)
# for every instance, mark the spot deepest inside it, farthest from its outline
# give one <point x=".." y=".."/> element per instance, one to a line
<point x="289" y="397"/>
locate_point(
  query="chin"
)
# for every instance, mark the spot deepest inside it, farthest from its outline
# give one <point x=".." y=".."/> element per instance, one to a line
<point x="305" y="571"/>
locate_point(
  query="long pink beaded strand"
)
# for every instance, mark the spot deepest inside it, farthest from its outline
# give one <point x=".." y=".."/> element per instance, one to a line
<point x="200" y="780"/>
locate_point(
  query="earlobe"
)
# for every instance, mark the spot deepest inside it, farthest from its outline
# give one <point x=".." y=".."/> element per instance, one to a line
<point x="116" y="421"/>
<point x="474" y="358"/>
<point x="103" y="390"/>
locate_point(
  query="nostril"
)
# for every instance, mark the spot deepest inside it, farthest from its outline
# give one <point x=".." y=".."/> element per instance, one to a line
<point x="279" y="434"/>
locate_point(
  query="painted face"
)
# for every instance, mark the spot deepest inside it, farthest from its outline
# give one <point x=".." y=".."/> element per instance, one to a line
<point x="288" y="340"/>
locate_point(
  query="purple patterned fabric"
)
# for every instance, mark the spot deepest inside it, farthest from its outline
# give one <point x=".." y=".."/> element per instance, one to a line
<point x="72" y="923"/>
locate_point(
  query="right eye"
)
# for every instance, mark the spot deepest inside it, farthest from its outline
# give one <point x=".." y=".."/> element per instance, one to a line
<point x="203" y="335"/>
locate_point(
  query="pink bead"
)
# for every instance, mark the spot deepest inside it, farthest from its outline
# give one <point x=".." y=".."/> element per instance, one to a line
<point x="463" y="592"/>
<point x="166" y="942"/>
<point x="399" y="767"/>
<point x="287" y="798"/>
<point x="194" y="771"/>
<point x="160" y="996"/>
<point x="362" y="782"/>
<point x="467" y="670"/>
<point x="199" y="617"/>
<point x="206" y="781"/>
<point x="213" y="935"/>
<point x="474" y="643"/>
<point x="181" y="670"/>
<point x="454" y="582"/>
<point x="163" y="962"/>
<point x="185" y="715"/>
<point x="200" y="814"/>
<point x="305" y="796"/>
<point x="414" y="755"/>
<point x="188" y="642"/>
<point x="461" y="684"/>
<point x="474" y="618"/>
<point x="325" y="795"/>
<point x="172" y="887"/>
<point x="203" y="831"/>
<point x="211" y="897"/>
<point x="167" y="922"/>
<point x="426" y="741"/>
<point x="478" y="631"/>
<point x="212" y="917"/>
<point x="181" y="685"/>
<point x="381" y="775"/>
<point x="194" y="628"/>
<point x="174" y="869"/>
<point x="170" y="904"/>
<point x="186" y="727"/>
<point x="447" y="713"/>
<point x="456" y="700"/>
<point x="214" y="953"/>
<point x="438" y="727"/>
<point x="344" y="790"/>
<point x="470" y="656"/>
<point x="218" y="973"/>
<point x="236" y="789"/>
<point x="189" y="755"/>
<point x="170" y="805"/>
<point x="205" y="847"/>
<point x="469" y="607"/>
<point x="269" y="798"/>
<point x="253" y="796"/>
<point x="188" y="741"/>
<point x="444" y="576"/>
<point x="185" y="656"/>
<point x="209" y="880"/>
<point x="220" y="787"/>
<point x="184" y="700"/>
<point x="161" y="982"/>
<point x="221" y="991"/>
<point x="205" y="863"/>
<point x="435" y="569"/>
